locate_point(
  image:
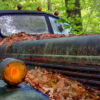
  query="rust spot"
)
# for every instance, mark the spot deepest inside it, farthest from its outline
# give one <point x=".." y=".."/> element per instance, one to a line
<point x="28" y="58"/>
<point x="43" y="59"/>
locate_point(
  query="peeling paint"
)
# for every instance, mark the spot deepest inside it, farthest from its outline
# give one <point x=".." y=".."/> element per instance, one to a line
<point x="80" y="50"/>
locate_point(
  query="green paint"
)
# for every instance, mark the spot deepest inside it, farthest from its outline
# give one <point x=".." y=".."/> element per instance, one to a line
<point x="23" y="93"/>
<point x="81" y="49"/>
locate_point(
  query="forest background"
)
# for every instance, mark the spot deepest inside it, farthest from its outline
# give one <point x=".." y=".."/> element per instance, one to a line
<point x="89" y="18"/>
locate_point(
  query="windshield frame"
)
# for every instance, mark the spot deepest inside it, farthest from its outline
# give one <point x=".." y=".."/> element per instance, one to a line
<point x="34" y="13"/>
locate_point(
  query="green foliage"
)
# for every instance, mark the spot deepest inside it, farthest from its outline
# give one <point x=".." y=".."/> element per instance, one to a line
<point x="71" y="1"/>
<point x="66" y="26"/>
<point x="73" y="19"/>
<point x="90" y="12"/>
<point x="91" y="16"/>
<point x="71" y="6"/>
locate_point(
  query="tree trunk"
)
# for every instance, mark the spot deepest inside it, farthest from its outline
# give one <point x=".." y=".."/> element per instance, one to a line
<point x="49" y="5"/>
<point x="75" y="11"/>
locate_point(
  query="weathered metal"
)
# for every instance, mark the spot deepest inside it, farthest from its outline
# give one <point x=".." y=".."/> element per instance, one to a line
<point x="87" y="75"/>
<point x="66" y="67"/>
<point x="23" y="13"/>
<point x="12" y="71"/>
<point x="81" y="50"/>
<point x="21" y="92"/>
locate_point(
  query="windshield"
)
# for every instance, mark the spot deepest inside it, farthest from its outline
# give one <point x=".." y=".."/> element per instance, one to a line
<point x="12" y="24"/>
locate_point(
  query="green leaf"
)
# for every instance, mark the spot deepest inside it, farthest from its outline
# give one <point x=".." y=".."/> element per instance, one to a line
<point x="66" y="26"/>
<point x="22" y="2"/>
<point x="76" y="8"/>
<point x="79" y="26"/>
<point x="65" y="14"/>
<point x="63" y="8"/>
<point x="28" y="8"/>
<point x="71" y="1"/>
<point x="61" y="20"/>
<point x="72" y="15"/>
<point x="70" y="6"/>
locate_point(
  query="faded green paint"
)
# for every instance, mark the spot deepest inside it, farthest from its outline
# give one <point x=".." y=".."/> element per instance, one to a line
<point x="68" y="59"/>
<point x="24" y="92"/>
<point x="80" y="49"/>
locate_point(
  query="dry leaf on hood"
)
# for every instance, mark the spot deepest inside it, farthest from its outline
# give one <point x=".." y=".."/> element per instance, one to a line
<point x="22" y="36"/>
<point x="59" y="87"/>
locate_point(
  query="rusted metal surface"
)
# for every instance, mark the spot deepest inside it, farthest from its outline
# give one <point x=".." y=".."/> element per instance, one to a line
<point x="87" y="75"/>
<point x="67" y="59"/>
<point x="78" y="74"/>
<point x="80" y="50"/>
<point x="85" y="81"/>
<point x="65" y="67"/>
<point x="83" y="45"/>
<point x="83" y="51"/>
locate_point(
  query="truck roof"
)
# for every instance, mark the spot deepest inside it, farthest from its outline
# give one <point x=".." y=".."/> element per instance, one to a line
<point x="25" y="12"/>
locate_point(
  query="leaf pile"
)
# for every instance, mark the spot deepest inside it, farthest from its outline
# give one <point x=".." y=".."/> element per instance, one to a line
<point x="58" y="87"/>
<point x="26" y="37"/>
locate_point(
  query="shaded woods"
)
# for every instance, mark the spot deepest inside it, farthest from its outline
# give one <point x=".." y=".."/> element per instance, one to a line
<point x="88" y="10"/>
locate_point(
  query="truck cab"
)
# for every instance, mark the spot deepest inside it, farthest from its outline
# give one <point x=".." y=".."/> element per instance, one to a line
<point x="30" y="22"/>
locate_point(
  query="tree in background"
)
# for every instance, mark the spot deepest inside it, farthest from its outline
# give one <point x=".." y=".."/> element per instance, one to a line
<point x="74" y="3"/>
<point x="49" y="5"/>
<point x="91" y="16"/>
<point x="73" y="11"/>
<point x="90" y="12"/>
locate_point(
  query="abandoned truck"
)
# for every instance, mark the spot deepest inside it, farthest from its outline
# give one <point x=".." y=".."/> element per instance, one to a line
<point x="76" y="57"/>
